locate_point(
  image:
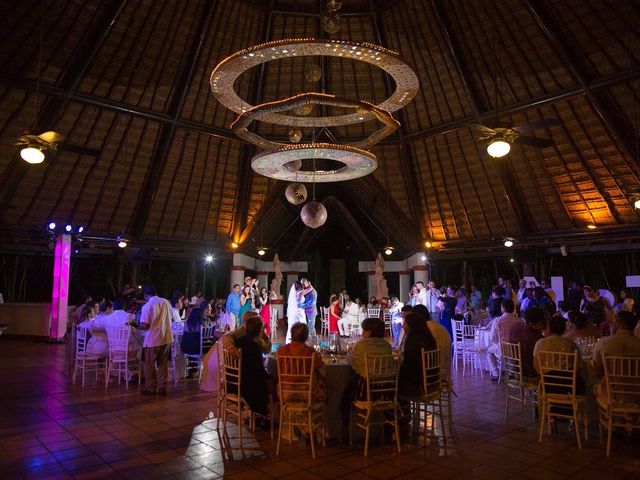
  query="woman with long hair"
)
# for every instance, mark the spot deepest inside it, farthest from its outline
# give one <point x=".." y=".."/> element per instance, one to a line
<point x="190" y="342"/>
<point x="334" y="313"/>
<point x="263" y="303"/>
<point x="245" y="303"/>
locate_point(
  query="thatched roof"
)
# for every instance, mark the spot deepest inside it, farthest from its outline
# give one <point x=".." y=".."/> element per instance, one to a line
<point x="151" y="154"/>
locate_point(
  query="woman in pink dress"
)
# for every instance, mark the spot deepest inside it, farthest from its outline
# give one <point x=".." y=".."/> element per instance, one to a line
<point x="265" y="309"/>
<point x="334" y="313"/>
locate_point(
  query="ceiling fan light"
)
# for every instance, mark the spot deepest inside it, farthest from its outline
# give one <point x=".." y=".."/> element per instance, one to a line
<point x="32" y="155"/>
<point x="508" y="243"/>
<point x="388" y="250"/>
<point x="636" y="204"/>
<point x="498" y="148"/>
<point x="261" y="251"/>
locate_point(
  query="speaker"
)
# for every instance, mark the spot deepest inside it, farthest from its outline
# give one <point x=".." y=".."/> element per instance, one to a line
<point x="564" y="250"/>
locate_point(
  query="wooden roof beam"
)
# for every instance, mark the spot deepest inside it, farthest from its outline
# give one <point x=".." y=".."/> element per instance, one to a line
<point x="245" y="173"/>
<point x="406" y="160"/>
<point x="166" y="135"/>
<point x="53" y="108"/>
<point x="458" y="60"/>
<point x="613" y="122"/>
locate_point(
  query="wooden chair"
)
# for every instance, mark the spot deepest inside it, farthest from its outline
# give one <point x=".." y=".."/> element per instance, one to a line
<point x="458" y="342"/>
<point x="85" y="362"/>
<point x="557" y="393"/>
<point x="431" y="396"/>
<point x="193" y="361"/>
<point x="472" y="350"/>
<point x="295" y="392"/>
<point x="386" y="318"/>
<point x="516" y="388"/>
<point x="120" y="359"/>
<point x="619" y="401"/>
<point x="373" y="312"/>
<point x="324" y="318"/>
<point x="381" y="396"/>
<point x="232" y="403"/>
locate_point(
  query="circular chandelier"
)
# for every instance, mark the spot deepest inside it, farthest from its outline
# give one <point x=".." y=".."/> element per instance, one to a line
<point x="241" y="125"/>
<point x="274" y="163"/>
<point x="226" y="73"/>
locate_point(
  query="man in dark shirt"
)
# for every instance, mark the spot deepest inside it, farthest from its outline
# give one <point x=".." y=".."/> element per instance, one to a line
<point x="253" y="384"/>
<point x="527" y="335"/>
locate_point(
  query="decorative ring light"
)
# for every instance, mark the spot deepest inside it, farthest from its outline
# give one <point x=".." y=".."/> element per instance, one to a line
<point x="226" y="73"/>
<point x="242" y="123"/>
<point x="273" y="163"/>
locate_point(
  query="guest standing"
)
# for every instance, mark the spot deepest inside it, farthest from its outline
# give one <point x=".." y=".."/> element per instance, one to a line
<point x="156" y="352"/>
<point x="264" y="304"/>
<point x="245" y="302"/>
<point x="449" y="302"/>
<point x="232" y="307"/>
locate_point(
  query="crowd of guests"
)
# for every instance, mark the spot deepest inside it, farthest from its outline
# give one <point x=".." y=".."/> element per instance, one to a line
<point x="249" y="297"/>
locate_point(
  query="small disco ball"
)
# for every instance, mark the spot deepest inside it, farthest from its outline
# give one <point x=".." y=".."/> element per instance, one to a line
<point x="295" y="135"/>
<point x="334" y="5"/>
<point x="304" y="110"/>
<point x="293" y="165"/>
<point x="313" y="214"/>
<point x="331" y="23"/>
<point x="313" y="74"/>
<point x="296" y="193"/>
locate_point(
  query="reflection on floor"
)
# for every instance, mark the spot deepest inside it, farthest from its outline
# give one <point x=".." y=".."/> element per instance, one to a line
<point x="52" y="429"/>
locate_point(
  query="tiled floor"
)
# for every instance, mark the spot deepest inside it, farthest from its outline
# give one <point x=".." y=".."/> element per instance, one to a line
<point x="52" y="429"/>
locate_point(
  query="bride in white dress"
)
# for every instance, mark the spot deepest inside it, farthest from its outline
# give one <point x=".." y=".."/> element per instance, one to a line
<point x="294" y="312"/>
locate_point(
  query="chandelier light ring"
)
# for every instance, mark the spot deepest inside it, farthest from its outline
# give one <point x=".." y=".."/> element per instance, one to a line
<point x="273" y="163"/>
<point x="226" y="73"/>
<point x="241" y="125"/>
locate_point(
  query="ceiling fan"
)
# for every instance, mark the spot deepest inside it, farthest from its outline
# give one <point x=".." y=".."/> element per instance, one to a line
<point x="502" y="135"/>
<point x="35" y="147"/>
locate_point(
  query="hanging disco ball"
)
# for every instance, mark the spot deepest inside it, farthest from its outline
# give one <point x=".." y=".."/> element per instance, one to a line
<point x="331" y="23"/>
<point x="295" y="135"/>
<point x="313" y="214"/>
<point x="313" y="74"/>
<point x="334" y="5"/>
<point x="296" y="193"/>
<point x="293" y="165"/>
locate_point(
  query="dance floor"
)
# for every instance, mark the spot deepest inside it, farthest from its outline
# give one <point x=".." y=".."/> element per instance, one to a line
<point x="50" y="428"/>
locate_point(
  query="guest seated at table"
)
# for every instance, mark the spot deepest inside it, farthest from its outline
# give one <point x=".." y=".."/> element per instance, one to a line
<point x="622" y="343"/>
<point x="500" y="326"/>
<point x="384" y="303"/>
<point x="190" y="342"/>
<point x="334" y="313"/>
<point x="115" y="318"/>
<point x="298" y="348"/>
<point x="350" y="316"/>
<point x="254" y="384"/>
<point x="373" y="302"/>
<point x="555" y="342"/>
<point x="176" y="306"/>
<point x="398" y="340"/>
<point x="230" y="339"/>
<point x="372" y="343"/>
<point x="528" y="298"/>
<point x="527" y="334"/>
<point x="443" y="340"/>
<point x="418" y="337"/>
<point x="580" y="327"/>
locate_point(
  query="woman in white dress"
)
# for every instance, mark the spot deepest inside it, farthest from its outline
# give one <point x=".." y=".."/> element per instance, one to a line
<point x="293" y="310"/>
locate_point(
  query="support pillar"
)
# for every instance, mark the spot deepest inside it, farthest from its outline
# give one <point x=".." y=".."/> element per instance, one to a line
<point x="371" y="287"/>
<point x="60" y="293"/>
<point x="421" y="274"/>
<point x="528" y="269"/>
<point x="404" y="285"/>
<point x="120" y="265"/>
<point x="263" y="279"/>
<point x="236" y="276"/>
<point x="465" y="277"/>
<point x="134" y="274"/>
